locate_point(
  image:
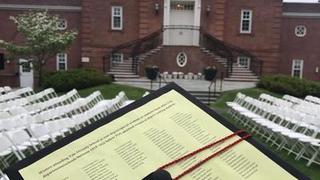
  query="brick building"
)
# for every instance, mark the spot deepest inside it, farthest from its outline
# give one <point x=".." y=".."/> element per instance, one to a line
<point x="242" y="38"/>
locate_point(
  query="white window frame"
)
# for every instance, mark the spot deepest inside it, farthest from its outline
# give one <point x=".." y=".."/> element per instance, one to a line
<point x="293" y="67"/>
<point x="250" y="22"/>
<point x="244" y="57"/>
<point x="65" y="61"/>
<point x="113" y="15"/>
<point x="185" y="56"/>
<point x="62" y="28"/>
<point x="117" y="54"/>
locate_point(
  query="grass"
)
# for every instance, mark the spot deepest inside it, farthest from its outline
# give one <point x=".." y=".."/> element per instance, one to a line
<point x="110" y="91"/>
<point x="313" y="172"/>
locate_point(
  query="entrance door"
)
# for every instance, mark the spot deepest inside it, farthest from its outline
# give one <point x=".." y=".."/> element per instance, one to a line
<point x="26" y="73"/>
<point x="181" y="22"/>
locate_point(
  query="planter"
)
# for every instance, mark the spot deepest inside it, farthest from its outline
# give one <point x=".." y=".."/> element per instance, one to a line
<point x="152" y="72"/>
<point x="210" y="73"/>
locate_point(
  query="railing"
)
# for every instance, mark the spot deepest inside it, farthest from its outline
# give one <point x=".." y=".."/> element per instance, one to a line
<point x="218" y="47"/>
<point x="142" y="45"/>
<point x="180" y="27"/>
<point x="137" y="47"/>
<point x="229" y="52"/>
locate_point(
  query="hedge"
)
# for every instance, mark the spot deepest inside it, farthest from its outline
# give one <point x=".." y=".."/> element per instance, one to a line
<point x="289" y="85"/>
<point x="63" y="81"/>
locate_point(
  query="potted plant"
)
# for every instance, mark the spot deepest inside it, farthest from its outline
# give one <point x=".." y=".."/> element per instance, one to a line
<point x="210" y="73"/>
<point x="152" y="72"/>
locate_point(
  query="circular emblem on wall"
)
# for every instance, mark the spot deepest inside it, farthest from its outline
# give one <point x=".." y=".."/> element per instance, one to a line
<point x="182" y="59"/>
<point x="300" y="31"/>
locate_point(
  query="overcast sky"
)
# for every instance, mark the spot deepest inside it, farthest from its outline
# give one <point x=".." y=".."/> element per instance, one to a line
<point x="300" y="1"/>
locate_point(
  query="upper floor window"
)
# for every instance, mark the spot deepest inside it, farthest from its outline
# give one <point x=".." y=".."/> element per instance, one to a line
<point x="116" y="18"/>
<point x="246" y="21"/>
<point x="297" y="68"/>
<point x="62" y="24"/>
<point x="300" y="31"/>
<point x="61" y="62"/>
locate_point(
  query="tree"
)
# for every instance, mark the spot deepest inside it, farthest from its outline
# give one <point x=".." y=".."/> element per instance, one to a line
<point x="43" y="39"/>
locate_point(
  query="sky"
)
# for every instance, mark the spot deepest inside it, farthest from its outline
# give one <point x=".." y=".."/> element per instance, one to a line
<point x="300" y="1"/>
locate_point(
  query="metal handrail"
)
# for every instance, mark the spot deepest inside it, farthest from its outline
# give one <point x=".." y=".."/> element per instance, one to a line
<point x="229" y="52"/>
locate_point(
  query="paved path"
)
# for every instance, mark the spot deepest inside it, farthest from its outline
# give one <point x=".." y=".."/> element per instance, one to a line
<point x="193" y="85"/>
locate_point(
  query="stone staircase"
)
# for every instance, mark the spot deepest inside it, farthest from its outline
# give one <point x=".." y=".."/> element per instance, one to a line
<point x="238" y="73"/>
<point x="220" y="60"/>
<point x="203" y="96"/>
<point x="241" y="74"/>
<point x="124" y="72"/>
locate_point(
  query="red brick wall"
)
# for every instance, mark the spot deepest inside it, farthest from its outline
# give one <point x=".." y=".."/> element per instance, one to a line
<point x="305" y="48"/>
<point x="264" y="41"/>
<point x="149" y="19"/>
<point x="166" y="60"/>
<point x="213" y="21"/>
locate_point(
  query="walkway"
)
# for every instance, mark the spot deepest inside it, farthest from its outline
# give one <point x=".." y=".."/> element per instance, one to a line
<point x="192" y="85"/>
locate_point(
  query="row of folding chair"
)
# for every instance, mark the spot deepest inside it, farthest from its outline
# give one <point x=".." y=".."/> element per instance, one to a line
<point x="78" y="106"/>
<point x="24" y="92"/>
<point x="292" y="99"/>
<point x="67" y="98"/>
<point x="274" y="100"/>
<point x="5" y="90"/>
<point x="25" y="134"/>
<point x="312" y="99"/>
<point x="44" y="95"/>
<point x="293" y="135"/>
<point x="292" y="102"/>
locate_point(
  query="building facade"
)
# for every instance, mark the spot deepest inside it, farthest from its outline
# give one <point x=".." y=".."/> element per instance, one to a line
<point x="242" y="38"/>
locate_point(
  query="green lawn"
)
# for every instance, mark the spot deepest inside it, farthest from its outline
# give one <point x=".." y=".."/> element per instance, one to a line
<point x="220" y="106"/>
<point x="109" y="91"/>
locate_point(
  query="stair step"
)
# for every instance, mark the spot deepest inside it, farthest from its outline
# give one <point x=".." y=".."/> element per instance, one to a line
<point x="132" y="80"/>
<point x="126" y="76"/>
<point x="242" y="74"/>
<point x="121" y="70"/>
<point x="244" y="77"/>
<point x="121" y="73"/>
<point x="241" y="79"/>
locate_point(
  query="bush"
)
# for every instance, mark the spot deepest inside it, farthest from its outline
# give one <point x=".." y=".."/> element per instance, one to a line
<point x="289" y="85"/>
<point x="63" y="81"/>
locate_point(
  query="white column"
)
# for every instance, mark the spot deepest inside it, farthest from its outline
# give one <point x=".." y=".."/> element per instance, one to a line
<point x="166" y="21"/>
<point x="197" y="22"/>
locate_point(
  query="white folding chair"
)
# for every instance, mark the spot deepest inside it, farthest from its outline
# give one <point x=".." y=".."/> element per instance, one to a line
<point x="21" y="141"/>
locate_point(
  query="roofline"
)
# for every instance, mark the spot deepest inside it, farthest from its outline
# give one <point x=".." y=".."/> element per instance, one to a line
<point x="301" y="14"/>
<point x="37" y="7"/>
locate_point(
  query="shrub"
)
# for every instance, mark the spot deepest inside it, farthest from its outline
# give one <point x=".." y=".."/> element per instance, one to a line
<point x="63" y="81"/>
<point x="289" y="85"/>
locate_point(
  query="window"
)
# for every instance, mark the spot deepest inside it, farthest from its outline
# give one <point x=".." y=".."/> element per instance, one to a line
<point x="61" y="62"/>
<point x="297" y="68"/>
<point x="186" y="6"/>
<point x="300" y="31"/>
<point x="244" y="62"/>
<point x="246" y="21"/>
<point x="182" y="59"/>
<point x="2" y="60"/>
<point x="116" y="18"/>
<point x="117" y="58"/>
<point x="62" y="24"/>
